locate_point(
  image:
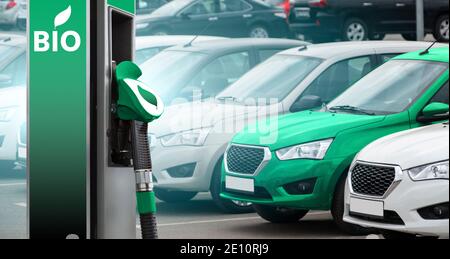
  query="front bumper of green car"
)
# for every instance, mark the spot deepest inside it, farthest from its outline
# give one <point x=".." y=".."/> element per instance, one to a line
<point x="301" y="183"/>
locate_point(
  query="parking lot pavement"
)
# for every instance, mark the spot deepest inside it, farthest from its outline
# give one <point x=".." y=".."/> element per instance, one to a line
<point x="13" y="194"/>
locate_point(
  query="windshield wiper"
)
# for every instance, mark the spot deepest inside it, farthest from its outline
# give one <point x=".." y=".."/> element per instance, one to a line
<point x="349" y="108"/>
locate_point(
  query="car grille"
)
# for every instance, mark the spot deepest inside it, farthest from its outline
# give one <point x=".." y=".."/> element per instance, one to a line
<point x="244" y="160"/>
<point x="372" y="180"/>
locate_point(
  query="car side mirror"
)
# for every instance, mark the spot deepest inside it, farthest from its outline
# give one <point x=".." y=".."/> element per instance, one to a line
<point x="5" y="80"/>
<point x="434" y="112"/>
<point x="307" y="102"/>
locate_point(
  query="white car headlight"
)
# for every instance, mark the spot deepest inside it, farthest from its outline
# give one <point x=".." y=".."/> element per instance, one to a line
<point x="429" y="172"/>
<point x="195" y="137"/>
<point x="7" y="114"/>
<point x="314" y="150"/>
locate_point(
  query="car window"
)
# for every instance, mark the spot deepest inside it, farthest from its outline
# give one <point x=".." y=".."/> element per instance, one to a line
<point x="386" y="57"/>
<point x="143" y="55"/>
<point x="338" y="77"/>
<point x="15" y="72"/>
<point x="267" y="53"/>
<point x="442" y="95"/>
<point x="233" y="6"/>
<point x="391" y="88"/>
<point x="263" y="82"/>
<point x="171" y="8"/>
<point x="220" y="73"/>
<point x="201" y="7"/>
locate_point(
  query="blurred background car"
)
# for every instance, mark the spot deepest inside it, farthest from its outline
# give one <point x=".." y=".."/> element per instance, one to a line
<point x="188" y="156"/>
<point x="356" y="20"/>
<point x="12" y="95"/>
<point x="229" y="18"/>
<point x="203" y="69"/>
<point x="149" y="46"/>
<point x="22" y="15"/>
<point x="9" y="12"/>
<point x="148" y="6"/>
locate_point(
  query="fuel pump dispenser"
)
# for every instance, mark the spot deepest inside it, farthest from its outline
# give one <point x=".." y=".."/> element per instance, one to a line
<point x="87" y="122"/>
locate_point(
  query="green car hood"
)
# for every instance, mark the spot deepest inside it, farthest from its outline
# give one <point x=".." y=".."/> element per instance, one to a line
<point x="302" y="127"/>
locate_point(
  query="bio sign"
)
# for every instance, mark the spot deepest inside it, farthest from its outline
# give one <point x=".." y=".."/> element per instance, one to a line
<point x="58" y="118"/>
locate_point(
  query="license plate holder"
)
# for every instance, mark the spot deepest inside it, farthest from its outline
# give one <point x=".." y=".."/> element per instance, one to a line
<point x="367" y="207"/>
<point x="240" y="184"/>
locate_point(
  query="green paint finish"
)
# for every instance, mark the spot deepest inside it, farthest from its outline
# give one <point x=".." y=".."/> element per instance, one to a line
<point x="146" y="202"/>
<point x="125" y="5"/>
<point x="57" y="118"/>
<point x="351" y="133"/>
<point x="136" y="100"/>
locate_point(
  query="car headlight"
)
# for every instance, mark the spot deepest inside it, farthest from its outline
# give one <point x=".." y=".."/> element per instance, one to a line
<point x="429" y="172"/>
<point x="7" y="114"/>
<point x="195" y="137"/>
<point x="314" y="150"/>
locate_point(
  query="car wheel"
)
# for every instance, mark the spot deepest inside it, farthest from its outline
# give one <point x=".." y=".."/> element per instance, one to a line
<point x="409" y="36"/>
<point x="228" y="206"/>
<point x="174" y="196"/>
<point x="440" y="32"/>
<point x="337" y="210"/>
<point x="21" y="25"/>
<point x="402" y="236"/>
<point x="259" y="31"/>
<point x="279" y="215"/>
<point x="355" y="30"/>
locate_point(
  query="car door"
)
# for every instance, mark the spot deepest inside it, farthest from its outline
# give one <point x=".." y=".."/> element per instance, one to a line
<point x="196" y="18"/>
<point x="395" y="16"/>
<point x="232" y="18"/>
<point x="338" y="77"/>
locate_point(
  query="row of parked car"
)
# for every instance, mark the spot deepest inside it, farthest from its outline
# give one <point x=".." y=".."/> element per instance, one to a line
<point x="319" y="20"/>
<point x="296" y="116"/>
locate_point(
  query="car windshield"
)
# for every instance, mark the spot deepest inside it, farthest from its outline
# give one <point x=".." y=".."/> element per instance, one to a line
<point x="390" y="89"/>
<point x="273" y="79"/>
<point x="170" y="9"/>
<point x="166" y="71"/>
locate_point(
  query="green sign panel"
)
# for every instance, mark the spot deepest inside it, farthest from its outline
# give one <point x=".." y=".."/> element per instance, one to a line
<point x="58" y="99"/>
<point x="125" y="5"/>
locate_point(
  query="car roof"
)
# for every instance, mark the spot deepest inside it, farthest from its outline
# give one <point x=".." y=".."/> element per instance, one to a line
<point x="218" y="46"/>
<point x="13" y="40"/>
<point x="144" y="42"/>
<point x="330" y="50"/>
<point x="439" y="54"/>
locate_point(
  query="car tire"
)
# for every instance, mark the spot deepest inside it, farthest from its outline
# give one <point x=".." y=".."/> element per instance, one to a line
<point x="338" y="208"/>
<point x="440" y="31"/>
<point x="355" y="29"/>
<point x="259" y="31"/>
<point x="409" y="36"/>
<point x="393" y="235"/>
<point x="279" y="215"/>
<point x="228" y="206"/>
<point x="174" y="196"/>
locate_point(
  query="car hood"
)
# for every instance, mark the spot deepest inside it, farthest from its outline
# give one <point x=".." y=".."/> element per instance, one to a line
<point x="189" y="116"/>
<point x="410" y="148"/>
<point x="303" y="127"/>
<point x="13" y="96"/>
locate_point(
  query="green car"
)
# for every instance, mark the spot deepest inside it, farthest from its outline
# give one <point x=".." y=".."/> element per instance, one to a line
<point x="304" y="168"/>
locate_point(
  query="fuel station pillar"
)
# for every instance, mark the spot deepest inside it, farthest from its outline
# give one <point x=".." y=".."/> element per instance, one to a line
<point x="80" y="176"/>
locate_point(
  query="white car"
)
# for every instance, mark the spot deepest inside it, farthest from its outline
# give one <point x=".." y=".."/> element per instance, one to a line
<point x="400" y="184"/>
<point x="149" y="46"/>
<point x="188" y="156"/>
<point x="12" y="95"/>
<point x="9" y="12"/>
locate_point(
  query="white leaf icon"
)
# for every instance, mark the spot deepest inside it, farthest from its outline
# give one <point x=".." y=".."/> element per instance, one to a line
<point x="63" y="17"/>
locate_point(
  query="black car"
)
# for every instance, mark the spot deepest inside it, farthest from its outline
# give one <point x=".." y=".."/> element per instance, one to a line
<point x="327" y="20"/>
<point x="148" y="6"/>
<point x="230" y="18"/>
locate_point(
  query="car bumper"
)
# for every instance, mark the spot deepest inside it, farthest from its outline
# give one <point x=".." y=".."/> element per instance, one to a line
<point x="276" y="174"/>
<point x="406" y="199"/>
<point x="8" y="141"/>
<point x="202" y="159"/>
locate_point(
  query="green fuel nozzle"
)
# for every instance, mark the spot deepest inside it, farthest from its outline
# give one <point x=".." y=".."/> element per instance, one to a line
<point x="140" y="104"/>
